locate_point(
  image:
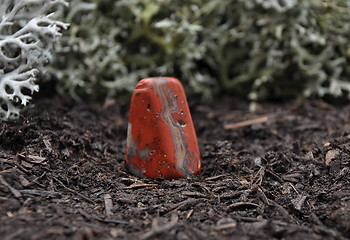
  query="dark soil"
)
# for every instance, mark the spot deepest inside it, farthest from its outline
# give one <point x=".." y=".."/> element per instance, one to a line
<point x="280" y="173"/>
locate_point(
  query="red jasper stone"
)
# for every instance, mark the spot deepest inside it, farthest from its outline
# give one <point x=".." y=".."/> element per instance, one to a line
<point x="161" y="140"/>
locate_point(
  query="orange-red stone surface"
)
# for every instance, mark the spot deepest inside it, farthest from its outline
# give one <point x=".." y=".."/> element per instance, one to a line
<point x="161" y="140"/>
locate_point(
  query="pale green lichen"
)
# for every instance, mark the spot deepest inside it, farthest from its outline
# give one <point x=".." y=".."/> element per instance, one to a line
<point x="27" y="36"/>
<point x="252" y="48"/>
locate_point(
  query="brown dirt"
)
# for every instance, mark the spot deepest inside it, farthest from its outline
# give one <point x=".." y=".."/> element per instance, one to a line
<point x="283" y="174"/>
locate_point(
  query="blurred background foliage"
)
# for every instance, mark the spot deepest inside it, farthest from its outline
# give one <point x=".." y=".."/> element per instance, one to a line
<point x="255" y="49"/>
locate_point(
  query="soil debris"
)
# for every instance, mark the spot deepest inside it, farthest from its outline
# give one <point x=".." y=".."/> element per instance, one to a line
<point x="281" y="173"/>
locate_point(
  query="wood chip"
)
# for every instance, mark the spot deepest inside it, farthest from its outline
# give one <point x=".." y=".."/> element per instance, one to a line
<point x="244" y="182"/>
<point x="330" y="155"/>
<point x="246" y="123"/>
<point x="108" y="205"/>
<point x="186" y="204"/>
<point x="194" y="194"/>
<point x="24" y="181"/>
<point x="32" y="158"/>
<point x="298" y="202"/>
<point x="157" y="228"/>
<point x="47" y="143"/>
<point x="38" y="192"/>
<point x="14" y="191"/>
<point x="229" y="195"/>
<point x="89" y="217"/>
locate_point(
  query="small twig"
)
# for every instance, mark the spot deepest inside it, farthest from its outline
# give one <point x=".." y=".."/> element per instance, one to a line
<point x="5" y="160"/>
<point x="246" y="123"/>
<point x="141" y="185"/>
<point x="14" y="191"/>
<point x="274" y="175"/>
<point x="216" y="177"/>
<point x="38" y="178"/>
<point x="21" y="168"/>
<point x="156" y="228"/>
<point x="40" y="192"/>
<point x="189" y="214"/>
<point x="249" y="219"/>
<point x="264" y="198"/>
<point x="243" y="204"/>
<point x="194" y="194"/>
<point x="260" y="175"/>
<point x="108" y="205"/>
<point x="186" y="203"/>
<point x="225" y="226"/>
<point x="73" y="191"/>
<point x="294" y="188"/>
<point x="229" y="195"/>
<point x="89" y="217"/>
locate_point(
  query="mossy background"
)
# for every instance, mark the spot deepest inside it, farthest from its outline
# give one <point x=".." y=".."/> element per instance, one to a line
<point x="255" y="49"/>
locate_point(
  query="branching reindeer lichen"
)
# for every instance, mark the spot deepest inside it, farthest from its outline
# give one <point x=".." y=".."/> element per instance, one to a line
<point x="258" y="49"/>
<point x="27" y="37"/>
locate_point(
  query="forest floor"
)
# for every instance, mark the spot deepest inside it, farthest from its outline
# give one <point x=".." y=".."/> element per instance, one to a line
<point x="282" y="172"/>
